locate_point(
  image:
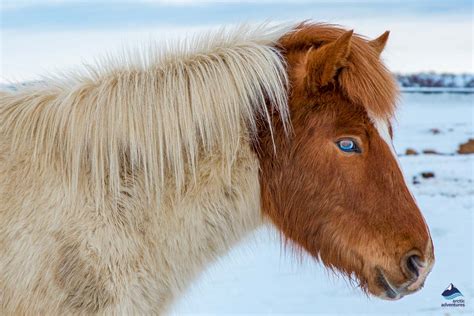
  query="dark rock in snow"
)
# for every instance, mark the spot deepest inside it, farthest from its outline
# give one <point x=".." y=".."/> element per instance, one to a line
<point x="411" y="152"/>
<point x="430" y="152"/>
<point x="467" y="147"/>
<point x="427" y="175"/>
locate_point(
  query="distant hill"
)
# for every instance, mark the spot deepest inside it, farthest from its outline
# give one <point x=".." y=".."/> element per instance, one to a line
<point x="435" y="80"/>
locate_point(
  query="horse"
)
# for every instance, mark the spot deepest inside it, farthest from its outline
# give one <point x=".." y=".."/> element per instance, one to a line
<point x="121" y="183"/>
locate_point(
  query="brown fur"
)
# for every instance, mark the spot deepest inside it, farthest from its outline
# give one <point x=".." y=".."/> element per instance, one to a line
<point x="363" y="79"/>
<point x="353" y="211"/>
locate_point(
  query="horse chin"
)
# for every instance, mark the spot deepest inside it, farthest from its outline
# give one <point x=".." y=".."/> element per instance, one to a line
<point x="385" y="289"/>
<point x="382" y="287"/>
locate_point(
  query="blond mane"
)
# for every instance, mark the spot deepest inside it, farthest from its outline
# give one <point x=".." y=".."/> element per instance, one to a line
<point x="157" y="111"/>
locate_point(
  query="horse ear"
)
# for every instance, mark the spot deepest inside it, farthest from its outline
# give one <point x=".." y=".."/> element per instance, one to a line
<point x="323" y="63"/>
<point x="379" y="43"/>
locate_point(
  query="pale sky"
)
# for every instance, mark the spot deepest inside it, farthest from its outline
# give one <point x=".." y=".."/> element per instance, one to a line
<point x="41" y="37"/>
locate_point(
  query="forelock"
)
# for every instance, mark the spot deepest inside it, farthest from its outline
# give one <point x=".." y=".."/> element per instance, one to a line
<point x="364" y="79"/>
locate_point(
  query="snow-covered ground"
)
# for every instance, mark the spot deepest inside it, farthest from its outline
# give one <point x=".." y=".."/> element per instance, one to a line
<point x="260" y="277"/>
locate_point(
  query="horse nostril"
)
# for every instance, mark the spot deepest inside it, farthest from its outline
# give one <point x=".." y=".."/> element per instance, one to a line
<point x="412" y="265"/>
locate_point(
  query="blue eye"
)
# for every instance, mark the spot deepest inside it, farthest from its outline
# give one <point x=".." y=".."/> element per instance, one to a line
<point x="348" y="145"/>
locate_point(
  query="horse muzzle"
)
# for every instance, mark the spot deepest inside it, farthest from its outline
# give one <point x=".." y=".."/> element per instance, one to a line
<point x="416" y="271"/>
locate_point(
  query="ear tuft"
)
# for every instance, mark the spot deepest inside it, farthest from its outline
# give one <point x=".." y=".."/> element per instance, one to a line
<point x="323" y="63"/>
<point x="379" y="43"/>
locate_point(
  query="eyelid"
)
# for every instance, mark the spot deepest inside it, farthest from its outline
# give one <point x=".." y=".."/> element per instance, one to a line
<point x="357" y="139"/>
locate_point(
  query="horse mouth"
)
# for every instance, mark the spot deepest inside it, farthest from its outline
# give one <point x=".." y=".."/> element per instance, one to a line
<point x="390" y="291"/>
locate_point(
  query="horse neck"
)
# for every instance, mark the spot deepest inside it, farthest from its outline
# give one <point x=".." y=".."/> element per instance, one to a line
<point x="216" y="212"/>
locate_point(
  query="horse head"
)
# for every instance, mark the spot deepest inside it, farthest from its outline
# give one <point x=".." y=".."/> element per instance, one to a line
<point x="334" y="186"/>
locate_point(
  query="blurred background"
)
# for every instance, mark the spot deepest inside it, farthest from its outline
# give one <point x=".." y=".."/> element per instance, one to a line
<point x="42" y="36"/>
<point x="430" y="50"/>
